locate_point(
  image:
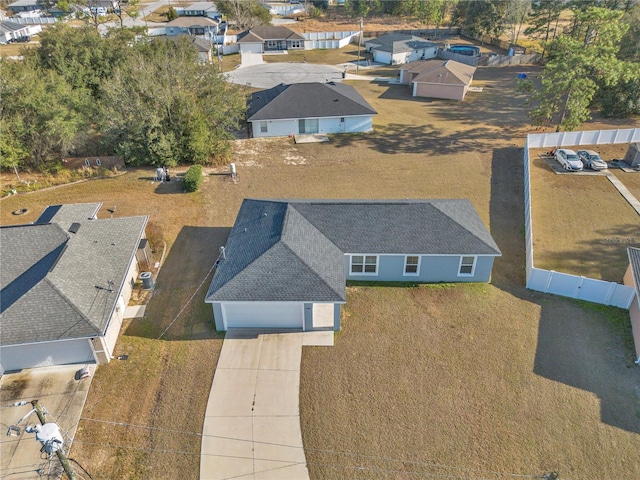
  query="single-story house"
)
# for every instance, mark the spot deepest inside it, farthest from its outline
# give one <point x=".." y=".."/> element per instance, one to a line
<point x="400" y="48"/>
<point x="308" y="108"/>
<point x="24" y="6"/>
<point x="100" y="8"/>
<point x="66" y="280"/>
<point x="204" y="27"/>
<point x="632" y="279"/>
<point x="438" y="78"/>
<point x="200" y="9"/>
<point x="265" y="38"/>
<point x="10" y="30"/>
<point x="286" y="262"/>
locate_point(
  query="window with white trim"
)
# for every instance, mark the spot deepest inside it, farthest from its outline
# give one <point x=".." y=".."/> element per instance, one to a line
<point x="264" y="127"/>
<point x="364" y="264"/>
<point x="467" y="266"/>
<point x="412" y="265"/>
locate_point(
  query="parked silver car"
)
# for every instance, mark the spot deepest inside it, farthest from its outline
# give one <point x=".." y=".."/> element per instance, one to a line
<point x="568" y="159"/>
<point x="592" y="160"/>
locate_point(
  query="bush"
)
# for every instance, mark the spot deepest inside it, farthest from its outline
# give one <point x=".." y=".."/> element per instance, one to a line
<point x="193" y="178"/>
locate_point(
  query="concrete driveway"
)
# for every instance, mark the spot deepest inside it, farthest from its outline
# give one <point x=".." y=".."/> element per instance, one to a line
<point x="252" y="423"/>
<point x="271" y="74"/>
<point x="61" y="395"/>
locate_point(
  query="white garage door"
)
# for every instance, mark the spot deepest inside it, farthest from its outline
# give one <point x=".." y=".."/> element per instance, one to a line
<point x="43" y="354"/>
<point x="263" y="315"/>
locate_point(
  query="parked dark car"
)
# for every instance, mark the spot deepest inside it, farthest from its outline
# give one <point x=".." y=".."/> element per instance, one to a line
<point x="23" y="39"/>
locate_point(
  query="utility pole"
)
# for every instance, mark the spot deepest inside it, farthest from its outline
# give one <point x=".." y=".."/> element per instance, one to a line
<point x="61" y="455"/>
<point x="359" y="42"/>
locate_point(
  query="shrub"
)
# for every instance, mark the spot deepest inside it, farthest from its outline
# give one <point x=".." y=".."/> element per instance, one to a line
<point x="193" y="178"/>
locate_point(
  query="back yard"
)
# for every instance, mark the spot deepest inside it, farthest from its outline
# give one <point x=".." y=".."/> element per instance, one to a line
<point x="456" y="381"/>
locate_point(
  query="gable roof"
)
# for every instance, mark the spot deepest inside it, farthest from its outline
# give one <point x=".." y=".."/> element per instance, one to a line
<point x="447" y="72"/>
<point x="293" y="250"/>
<point x="268" y="32"/>
<point x="398" y="43"/>
<point x="634" y="261"/>
<point x="305" y="100"/>
<point x="57" y="284"/>
<point x="8" y="26"/>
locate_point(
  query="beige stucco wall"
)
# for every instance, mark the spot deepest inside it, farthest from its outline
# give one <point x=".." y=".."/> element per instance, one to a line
<point x="430" y="90"/>
<point x="634" y="311"/>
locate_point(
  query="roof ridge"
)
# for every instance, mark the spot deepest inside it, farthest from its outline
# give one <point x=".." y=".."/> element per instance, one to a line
<point x="72" y="305"/>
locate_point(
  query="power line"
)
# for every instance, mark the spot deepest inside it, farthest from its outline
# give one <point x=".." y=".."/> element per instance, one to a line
<point x="335" y="452"/>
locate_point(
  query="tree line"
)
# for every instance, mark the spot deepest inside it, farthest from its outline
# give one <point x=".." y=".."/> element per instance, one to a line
<point x="152" y="102"/>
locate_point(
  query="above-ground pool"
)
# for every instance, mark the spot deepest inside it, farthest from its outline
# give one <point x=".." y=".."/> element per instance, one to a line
<point x="469" y="50"/>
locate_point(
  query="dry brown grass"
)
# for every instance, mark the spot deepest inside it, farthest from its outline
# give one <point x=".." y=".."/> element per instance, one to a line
<point x="465" y="380"/>
<point x="477" y="376"/>
<point x="581" y="224"/>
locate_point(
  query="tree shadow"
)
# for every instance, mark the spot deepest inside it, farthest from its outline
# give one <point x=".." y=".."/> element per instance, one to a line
<point x="175" y="304"/>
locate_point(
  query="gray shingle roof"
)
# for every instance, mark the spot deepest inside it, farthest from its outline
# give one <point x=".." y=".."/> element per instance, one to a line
<point x="65" y="215"/>
<point x="55" y="284"/>
<point x="307" y="100"/>
<point x="262" y="33"/>
<point x="441" y="71"/>
<point x="634" y="261"/>
<point x="266" y="258"/>
<point x="398" y="43"/>
<point x="293" y="250"/>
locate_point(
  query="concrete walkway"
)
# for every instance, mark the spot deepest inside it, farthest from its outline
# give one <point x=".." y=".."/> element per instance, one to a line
<point x="624" y="191"/>
<point x="252" y="422"/>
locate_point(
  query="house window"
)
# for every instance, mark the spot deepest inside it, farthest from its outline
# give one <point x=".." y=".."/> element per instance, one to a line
<point x="87" y="162"/>
<point x="411" y="265"/>
<point x="467" y="266"/>
<point x="308" y="125"/>
<point x="295" y="44"/>
<point x="98" y="162"/>
<point x="341" y="119"/>
<point x="364" y="264"/>
<point x="263" y="127"/>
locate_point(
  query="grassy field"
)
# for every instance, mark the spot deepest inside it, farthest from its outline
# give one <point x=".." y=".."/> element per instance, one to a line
<point x="483" y="377"/>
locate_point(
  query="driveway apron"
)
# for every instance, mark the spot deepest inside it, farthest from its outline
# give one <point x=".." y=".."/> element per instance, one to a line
<point x="252" y="423"/>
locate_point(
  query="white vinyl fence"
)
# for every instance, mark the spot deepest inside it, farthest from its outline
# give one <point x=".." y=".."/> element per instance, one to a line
<point x="564" y="284"/>
<point x="328" y="40"/>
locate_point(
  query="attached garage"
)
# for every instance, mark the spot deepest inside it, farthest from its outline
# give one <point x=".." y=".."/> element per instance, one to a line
<point x="62" y="352"/>
<point x="263" y="315"/>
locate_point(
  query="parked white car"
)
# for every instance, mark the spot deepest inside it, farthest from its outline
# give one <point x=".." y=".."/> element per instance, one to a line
<point x="592" y="160"/>
<point x="568" y="159"/>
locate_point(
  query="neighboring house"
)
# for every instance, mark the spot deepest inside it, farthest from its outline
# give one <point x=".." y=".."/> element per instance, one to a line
<point x="264" y="39"/>
<point x="23" y="6"/>
<point x="101" y="8"/>
<point x="200" y="9"/>
<point x="66" y="280"/>
<point x="438" y="78"/>
<point x="286" y="263"/>
<point x="399" y="48"/>
<point x="203" y="27"/>
<point x="202" y="45"/>
<point x="10" y="31"/>
<point x="632" y="279"/>
<point x="308" y="108"/>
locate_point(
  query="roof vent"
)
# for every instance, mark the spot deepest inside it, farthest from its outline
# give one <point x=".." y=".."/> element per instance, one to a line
<point x="74" y="227"/>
